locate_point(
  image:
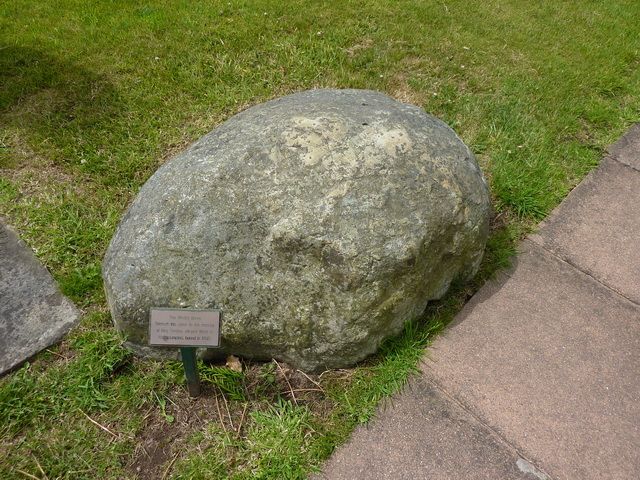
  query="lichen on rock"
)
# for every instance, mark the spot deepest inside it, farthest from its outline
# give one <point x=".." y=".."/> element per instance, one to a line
<point x="319" y="223"/>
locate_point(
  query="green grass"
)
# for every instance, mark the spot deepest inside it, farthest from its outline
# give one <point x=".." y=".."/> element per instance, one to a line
<point x="95" y="95"/>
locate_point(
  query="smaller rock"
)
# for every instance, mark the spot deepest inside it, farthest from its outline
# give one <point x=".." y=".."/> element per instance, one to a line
<point x="33" y="312"/>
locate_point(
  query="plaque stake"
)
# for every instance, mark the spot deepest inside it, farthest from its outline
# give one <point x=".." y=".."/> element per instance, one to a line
<point x="186" y="328"/>
<point x="191" y="370"/>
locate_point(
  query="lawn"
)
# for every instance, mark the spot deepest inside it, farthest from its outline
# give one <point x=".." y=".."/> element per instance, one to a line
<point x="95" y="95"/>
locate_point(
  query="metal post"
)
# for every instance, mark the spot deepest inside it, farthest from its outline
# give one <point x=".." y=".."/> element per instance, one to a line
<point x="191" y="370"/>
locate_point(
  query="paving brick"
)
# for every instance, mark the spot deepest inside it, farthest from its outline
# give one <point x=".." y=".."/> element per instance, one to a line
<point x="627" y="149"/>
<point x="550" y="359"/>
<point x="597" y="228"/>
<point x="425" y="435"/>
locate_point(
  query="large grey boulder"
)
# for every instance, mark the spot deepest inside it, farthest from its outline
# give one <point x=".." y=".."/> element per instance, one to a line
<point x="319" y="223"/>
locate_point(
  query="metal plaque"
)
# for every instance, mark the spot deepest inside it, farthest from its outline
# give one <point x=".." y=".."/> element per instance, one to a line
<point x="181" y="327"/>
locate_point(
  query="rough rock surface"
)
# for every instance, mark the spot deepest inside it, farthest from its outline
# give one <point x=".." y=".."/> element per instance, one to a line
<point x="318" y="223"/>
<point x="33" y="312"/>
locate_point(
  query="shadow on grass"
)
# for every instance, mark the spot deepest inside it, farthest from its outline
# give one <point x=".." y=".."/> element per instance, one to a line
<point x="53" y="100"/>
<point x="56" y="114"/>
